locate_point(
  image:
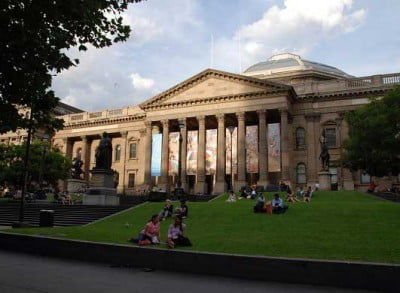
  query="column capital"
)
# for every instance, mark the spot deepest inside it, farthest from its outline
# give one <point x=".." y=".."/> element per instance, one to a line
<point x="84" y="138"/>
<point x="201" y="118"/>
<point x="262" y="114"/>
<point x="124" y="134"/>
<point x="241" y="115"/>
<point x="220" y="117"/>
<point x="283" y="111"/>
<point x="142" y="132"/>
<point x="165" y="122"/>
<point x="148" y="124"/>
<point x="183" y="121"/>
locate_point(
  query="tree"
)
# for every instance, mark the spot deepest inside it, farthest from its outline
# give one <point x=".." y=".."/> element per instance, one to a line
<point x="45" y="164"/>
<point x="374" y="136"/>
<point x="34" y="36"/>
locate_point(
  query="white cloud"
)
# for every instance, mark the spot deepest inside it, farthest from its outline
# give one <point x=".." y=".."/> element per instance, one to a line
<point x="296" y="27"/>
<point x="141" y="83"/>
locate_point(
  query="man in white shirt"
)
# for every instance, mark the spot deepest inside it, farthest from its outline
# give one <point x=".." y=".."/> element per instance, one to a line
<point x="277" y="205"/>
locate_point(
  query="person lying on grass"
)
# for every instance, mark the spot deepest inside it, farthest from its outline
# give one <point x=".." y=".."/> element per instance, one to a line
<point x="150" y="233"/>
<point x="167" y="210"/>
<point x="277" y="205"/>
<point x="175" y="234"/>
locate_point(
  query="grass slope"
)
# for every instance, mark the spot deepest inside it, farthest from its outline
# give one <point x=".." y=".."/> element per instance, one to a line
<point x="335" y="225"/>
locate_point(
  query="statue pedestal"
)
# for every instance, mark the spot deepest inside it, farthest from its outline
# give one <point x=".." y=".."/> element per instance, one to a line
<point x="324" y="178"/>
<point x="101" y="191"/>
<point x="76" y="185"/>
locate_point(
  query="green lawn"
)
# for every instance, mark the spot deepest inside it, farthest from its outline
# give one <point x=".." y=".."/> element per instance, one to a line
<point x="335" y="225"/>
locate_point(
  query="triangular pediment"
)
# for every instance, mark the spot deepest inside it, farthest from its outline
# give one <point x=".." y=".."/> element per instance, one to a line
<point x="210" y="84"/>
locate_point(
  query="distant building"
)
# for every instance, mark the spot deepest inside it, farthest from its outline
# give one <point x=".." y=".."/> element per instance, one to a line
<point x="280" y="109"/>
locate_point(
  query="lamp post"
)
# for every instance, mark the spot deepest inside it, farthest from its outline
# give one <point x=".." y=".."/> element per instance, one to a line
<point x="179" y="190"/>
<point x="231" y="129"/>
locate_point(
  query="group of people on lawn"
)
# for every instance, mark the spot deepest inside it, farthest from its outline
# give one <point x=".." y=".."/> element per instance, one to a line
<point x="275" y="206"/>
<point x="175" y="236"/>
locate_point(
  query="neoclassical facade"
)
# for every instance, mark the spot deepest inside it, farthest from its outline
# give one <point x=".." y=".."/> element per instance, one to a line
<point x="277" y="111"/>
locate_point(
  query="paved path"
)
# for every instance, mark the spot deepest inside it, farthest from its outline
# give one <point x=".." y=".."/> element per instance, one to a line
<point x="22" y="273"/>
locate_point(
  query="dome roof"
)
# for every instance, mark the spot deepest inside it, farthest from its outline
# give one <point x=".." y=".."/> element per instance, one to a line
<point x="291" y="62"/>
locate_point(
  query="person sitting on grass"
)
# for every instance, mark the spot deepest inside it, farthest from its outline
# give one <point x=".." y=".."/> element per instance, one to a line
<point x="290" y="196"/>
<point x="277" y="205"/>
<point x="167" y="210"/>
<point x="260" y="204"/>
<point x="231" y="197"/>
<point x="175" y="234"/>
<point x="299" y="192"/>
<point x="243" y="194"/>
<point x="308" y="194"/>
<point x="184" y="209"/>
<point x="150" y="233"/>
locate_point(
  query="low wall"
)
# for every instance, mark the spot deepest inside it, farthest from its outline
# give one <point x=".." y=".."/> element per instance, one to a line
<point x="330" y="273"/>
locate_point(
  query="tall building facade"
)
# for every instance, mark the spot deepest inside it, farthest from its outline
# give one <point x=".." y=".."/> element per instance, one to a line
<point x="265" y="125"/>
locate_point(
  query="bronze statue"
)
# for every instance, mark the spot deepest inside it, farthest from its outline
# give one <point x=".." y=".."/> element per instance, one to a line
<point x="76" y="169"/>
<point x="324" y="155"/>
<point x="104" y="153"/>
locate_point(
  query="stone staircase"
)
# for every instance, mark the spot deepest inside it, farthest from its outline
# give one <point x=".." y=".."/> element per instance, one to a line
<point x="395" y="197"/>
<point x="64" y="215"/>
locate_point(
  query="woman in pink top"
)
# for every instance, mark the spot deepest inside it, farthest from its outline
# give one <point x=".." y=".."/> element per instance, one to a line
<point x="151" y="232"/>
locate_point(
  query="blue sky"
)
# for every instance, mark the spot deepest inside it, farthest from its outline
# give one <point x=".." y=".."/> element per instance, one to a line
<point x="171" y="41"/>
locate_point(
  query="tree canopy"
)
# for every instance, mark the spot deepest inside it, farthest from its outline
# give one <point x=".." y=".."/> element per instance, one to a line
<point x="374" y="136"/>
<point x="34" y="36"/>
<point x="45" y="164"/>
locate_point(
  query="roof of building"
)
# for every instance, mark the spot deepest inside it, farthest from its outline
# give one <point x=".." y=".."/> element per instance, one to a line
<point x="290" y="62"/>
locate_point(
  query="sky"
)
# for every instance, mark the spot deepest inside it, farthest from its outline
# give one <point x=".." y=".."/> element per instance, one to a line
<point x="172" y="40"/>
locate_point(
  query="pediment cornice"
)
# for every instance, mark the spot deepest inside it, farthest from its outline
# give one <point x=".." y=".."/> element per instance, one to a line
<point x="163" y="97"/>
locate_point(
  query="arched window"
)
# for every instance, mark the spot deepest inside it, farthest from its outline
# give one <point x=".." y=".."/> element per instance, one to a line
<point x="79" y="153"/>
<point x="300" y="138"/>
<point x="117" y="152"/>
<point x="301" y="177"/>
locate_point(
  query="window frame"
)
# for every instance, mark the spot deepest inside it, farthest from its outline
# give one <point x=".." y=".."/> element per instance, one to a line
<point x="131" y="183"/>
<point x="117" y="156"/>
<point x="298" y="145"/>
<point x="130" y="150"/>
<point x="298" y="174"/>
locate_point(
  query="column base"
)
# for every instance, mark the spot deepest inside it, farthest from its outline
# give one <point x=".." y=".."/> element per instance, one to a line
<point x="324" y="180"/>
<point x="220" y="187"/>
<point x="200" y="188"/>
<point x="348" y="184"/>
<point x="239" y="184"/>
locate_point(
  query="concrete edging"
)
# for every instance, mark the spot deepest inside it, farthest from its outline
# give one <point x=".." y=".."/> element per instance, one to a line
<point x="329" y="273"/>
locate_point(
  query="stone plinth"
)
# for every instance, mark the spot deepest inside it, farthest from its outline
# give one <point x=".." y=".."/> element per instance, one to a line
<point x="101" y="191"/>
<point x="76" y="185"/>
<point x="324" y="180"/>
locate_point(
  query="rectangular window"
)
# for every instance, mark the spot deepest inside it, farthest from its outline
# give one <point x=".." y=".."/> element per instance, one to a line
<point x="131" y="180"/>
<point x="132" y="151"/>
<point x="333" y="173"/>
<point x="330" y="135"/>
<point x="365" y="178"/>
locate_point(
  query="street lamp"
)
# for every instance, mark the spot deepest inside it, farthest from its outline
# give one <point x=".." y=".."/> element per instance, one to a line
<point x="179" y="190"/>
<point x="231" y="129"/>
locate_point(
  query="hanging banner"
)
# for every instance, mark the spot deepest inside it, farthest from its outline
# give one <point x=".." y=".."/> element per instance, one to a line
<point x="230" y="147"/>
<point x="156" y="155"/>
<point x="173" y="153"/>
<point x="274" y="148"/>
<point x="252" y="149"/>
<point x="192" y="143"/>
<point x="211" y="151"/>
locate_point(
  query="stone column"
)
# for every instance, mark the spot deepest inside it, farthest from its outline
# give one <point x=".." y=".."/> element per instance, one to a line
<point x="312" y="148"/>
<point x="201" y="186"/>
<point x="147" y="153"/>
<point x="262" y="148"/>
<point x="347" y="176"/>
<point x="164" y="156"/>
<point x="285" y="146"/>
<point x="184" y="155"/>
<point x="124" y="135"/>
<point x="67" y="147"/>
<point x="220" y="185"/>
<point x="241" y="151"/>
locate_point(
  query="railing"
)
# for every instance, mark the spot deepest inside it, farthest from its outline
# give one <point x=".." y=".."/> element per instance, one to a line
<point x="95" y="115"/>
<point x="76" y="117"/>
<point x="391" y="79"/>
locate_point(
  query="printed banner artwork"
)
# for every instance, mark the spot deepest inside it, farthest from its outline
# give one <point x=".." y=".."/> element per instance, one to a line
<point x="173" y="153"/>
<point x="156" y="155"/>
<point x="230" y="147"/>
<point x="274" y="148"/>
<point x="211" y="151"/>
<point x="252" y="149"/>
<point x="192" y="144"/>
